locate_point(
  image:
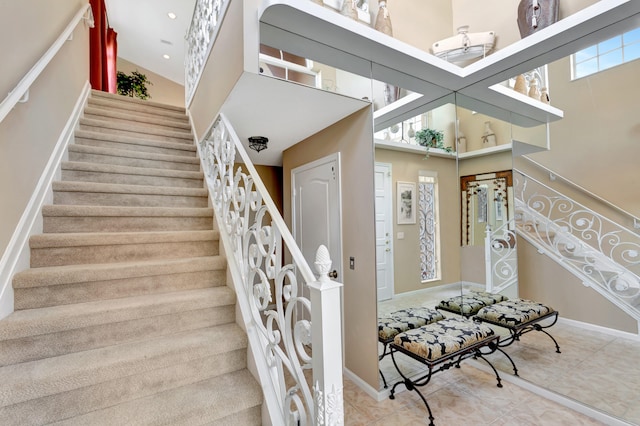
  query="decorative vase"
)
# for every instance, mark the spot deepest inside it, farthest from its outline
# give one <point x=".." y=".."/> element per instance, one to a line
<point x="544" y="95"/>
<point x="383" y="20"/>
<point x="534" y="15"/>
<point x="533" y="90"/>
<point x="411" y="133"/>
<point x="350" y="9"/>
<point x="462" y="140"/>
<point x="488" y="138"/>
<point x="521" y="85"/>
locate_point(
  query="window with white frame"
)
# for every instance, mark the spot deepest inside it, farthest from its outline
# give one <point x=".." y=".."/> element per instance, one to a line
<point x="606" y="54"/>
<point x="429" y="226"/>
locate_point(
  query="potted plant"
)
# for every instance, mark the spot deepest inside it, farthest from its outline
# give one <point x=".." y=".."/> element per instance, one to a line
<point x="431" y="138"/>
<point x="133" y="85"/>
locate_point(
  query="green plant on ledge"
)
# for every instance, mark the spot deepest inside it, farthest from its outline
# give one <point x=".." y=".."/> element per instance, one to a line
<point x="133" y="85"/>
<point x="430" y="138"/>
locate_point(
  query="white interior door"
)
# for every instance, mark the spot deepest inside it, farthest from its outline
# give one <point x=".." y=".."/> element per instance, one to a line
<point x="384" y="231"/>
<point x="317" y="210"/>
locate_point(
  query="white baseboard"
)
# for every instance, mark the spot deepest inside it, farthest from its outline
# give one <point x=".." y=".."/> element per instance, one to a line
<point x="599" y="328"/>
<point x="369" y="390"/>
<point x="17" y="256"/>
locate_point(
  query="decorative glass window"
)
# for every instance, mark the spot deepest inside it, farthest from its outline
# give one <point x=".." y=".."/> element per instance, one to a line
<point x="606" y="54"/>
<point x="429" y="226"/>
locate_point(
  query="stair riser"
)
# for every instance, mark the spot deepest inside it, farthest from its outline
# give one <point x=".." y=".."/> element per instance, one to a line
<point x="39" y="297"/>
<point x="99" y="177"/>
<point x="250" y="416"/>
<point x="58" y="256"/>
<point x="83" y="400"/>
<point x="136" y="108"/>
<point x="63" y="224"/>
<point x="87" y="338"/>
<point x="133" y="147"/>
<point x="132" y="119"/>
<point x="132" y="162"/>
<point x="126" y="200"/>
<point x="139" y="133"/>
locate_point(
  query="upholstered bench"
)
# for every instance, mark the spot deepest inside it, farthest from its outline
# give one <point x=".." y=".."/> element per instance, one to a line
<point x="519" y="316"/>
<point x="470" y="303"/>
<point x="397" y="322"/>
<point x="441" y="345"/>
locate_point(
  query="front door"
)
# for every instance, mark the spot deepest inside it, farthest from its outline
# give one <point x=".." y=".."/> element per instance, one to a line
<point x="384" y="231"/>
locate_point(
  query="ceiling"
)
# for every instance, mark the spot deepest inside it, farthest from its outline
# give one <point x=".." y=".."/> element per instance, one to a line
<point x="144" y="29"/>
<point x="301" y="112"/>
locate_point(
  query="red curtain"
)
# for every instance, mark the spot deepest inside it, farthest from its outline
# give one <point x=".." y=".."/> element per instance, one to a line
<point x="103" y="50"/>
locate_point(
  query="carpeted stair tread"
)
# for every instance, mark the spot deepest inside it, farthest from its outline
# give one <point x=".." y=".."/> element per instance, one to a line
<point x="136" y="109"/>
<point x="114" y="194"/>
<point x="35" y="379"/>
<point x="34" y="322"/>
<point x="82" y="239"/>
<point x="133" y="142"/>
<point x="111" y="114"/>
<point x="127" y="170"/>
<point x="123" y="211"/>
<point x="214" y="401"/>
<point x="69" y="274"/>
<point x="114" y="152"/>
<point x="134" y="102"/>
<point x="152" y="131"/>
<point x="78" y="186"/>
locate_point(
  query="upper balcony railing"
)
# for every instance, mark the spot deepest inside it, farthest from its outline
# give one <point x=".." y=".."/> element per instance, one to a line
<point x="21" y="92"/>
<point x="201" y="35"/>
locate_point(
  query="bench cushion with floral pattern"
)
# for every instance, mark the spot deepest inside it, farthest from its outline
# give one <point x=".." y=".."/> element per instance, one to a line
<point x="434" y="341"/>
<point x="513" y="313"/>
<point x="471" y="302"/>
<point x="405" y="319"/>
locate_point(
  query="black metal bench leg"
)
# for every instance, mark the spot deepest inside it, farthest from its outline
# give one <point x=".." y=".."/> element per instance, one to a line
<point x="384" y="380"/>
<point x="539" y="328"/>
<point x="513" y="364"/>
<point x="479" y="355"/>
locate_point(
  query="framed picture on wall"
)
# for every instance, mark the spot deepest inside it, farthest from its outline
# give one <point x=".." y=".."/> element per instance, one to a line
<point x="406" y="203"/>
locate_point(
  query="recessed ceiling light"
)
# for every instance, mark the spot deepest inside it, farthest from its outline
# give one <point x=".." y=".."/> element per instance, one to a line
<point x="171" y="15"/>
<point x="166" y="56"/>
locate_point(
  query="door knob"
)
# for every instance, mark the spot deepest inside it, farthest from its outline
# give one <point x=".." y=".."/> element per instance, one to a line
<point x="333" y="274"/>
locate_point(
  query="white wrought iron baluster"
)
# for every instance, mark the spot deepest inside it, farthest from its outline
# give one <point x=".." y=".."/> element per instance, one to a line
<point x="255" y="231"/>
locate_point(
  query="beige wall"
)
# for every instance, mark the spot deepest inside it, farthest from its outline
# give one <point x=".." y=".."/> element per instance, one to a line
<point x="405" y="167"/>
<point x="223" y="69"/>
<point x="352" y="137"/>
<point x="35" y="24"/>
<point x="25" y="148"/>
<point x="272" y="178"/>
<point x="161" y="90"/>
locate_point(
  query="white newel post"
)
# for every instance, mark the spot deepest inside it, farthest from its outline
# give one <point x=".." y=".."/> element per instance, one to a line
<point x="487" y="260"/>
<point x="326" y="337"/>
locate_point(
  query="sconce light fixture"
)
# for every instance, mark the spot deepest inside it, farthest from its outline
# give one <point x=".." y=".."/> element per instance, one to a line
<point x="258" y="143"/>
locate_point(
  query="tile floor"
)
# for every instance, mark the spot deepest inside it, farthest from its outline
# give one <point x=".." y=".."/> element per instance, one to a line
<point x="584" y="371"/>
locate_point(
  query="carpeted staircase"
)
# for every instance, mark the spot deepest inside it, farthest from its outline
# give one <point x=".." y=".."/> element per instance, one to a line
<point x="125" y="317"/>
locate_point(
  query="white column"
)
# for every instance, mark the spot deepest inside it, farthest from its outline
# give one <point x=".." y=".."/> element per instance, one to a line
<point x="326" y="337"/>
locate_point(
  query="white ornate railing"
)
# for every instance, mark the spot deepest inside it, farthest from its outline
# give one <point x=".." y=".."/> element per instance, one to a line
<point x="501" y="257"/>
<point x="270" y="292"/>
<point x="21" y="92"/>
<point x="603" y="254"/>
<point x="200" y="37"/>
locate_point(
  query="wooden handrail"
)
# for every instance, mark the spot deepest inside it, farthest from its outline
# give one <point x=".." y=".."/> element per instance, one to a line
<point x="21" y="91"/>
